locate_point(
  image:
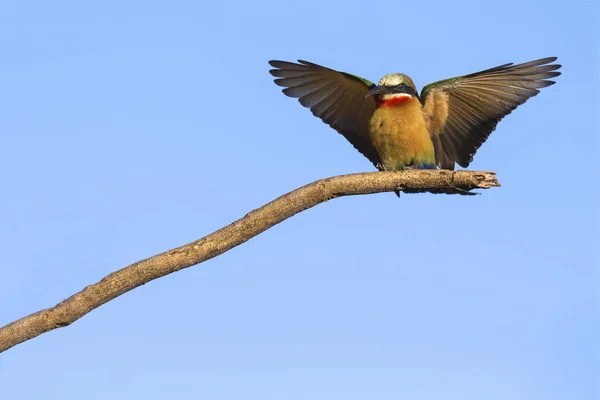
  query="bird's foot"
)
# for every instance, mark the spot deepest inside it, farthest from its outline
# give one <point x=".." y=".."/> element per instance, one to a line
<point x="381" y="167"/>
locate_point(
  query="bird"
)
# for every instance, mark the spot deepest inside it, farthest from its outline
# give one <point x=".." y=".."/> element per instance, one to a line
<point x="397" y="128"/>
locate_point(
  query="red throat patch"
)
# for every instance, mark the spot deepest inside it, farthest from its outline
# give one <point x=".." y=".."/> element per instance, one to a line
<point x="394" y="101"/>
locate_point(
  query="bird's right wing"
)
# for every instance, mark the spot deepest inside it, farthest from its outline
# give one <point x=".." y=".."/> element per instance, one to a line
<point x="461" y="112"/>
<point x="339" y="99"/>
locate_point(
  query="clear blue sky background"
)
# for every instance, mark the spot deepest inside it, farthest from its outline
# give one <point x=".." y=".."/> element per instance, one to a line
<point x="132" y="127"/>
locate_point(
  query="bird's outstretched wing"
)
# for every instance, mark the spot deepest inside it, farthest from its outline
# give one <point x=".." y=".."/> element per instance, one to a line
<point x="339" y="99"/>
<point x="461" y="112"/>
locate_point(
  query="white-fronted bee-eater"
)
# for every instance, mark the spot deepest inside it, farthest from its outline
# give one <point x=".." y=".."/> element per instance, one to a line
<point x="395" y="127"/>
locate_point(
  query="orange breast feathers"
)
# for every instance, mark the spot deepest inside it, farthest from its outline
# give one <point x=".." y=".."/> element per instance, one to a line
<point x="400" y="137"/>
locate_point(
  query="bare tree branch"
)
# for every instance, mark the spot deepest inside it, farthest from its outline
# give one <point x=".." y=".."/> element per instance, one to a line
<point x="253" y="223"/>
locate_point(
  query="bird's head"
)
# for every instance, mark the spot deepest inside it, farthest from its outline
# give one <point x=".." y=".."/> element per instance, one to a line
<point x="393" y="89"/>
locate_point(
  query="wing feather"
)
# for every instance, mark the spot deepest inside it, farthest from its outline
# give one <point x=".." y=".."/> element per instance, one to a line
<point x="339" y="99"/>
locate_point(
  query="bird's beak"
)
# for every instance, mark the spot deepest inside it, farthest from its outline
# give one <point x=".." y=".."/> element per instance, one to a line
<point x="379" y="90"/>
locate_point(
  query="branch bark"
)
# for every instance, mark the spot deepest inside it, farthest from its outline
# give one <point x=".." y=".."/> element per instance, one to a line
<point x="240" y="231"/>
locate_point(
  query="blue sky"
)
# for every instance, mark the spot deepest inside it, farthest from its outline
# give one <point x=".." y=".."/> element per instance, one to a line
<point x="132" y="127"/>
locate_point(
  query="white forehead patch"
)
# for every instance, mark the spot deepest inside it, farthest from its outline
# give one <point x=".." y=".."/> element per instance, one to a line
<point x="391" y="80"/>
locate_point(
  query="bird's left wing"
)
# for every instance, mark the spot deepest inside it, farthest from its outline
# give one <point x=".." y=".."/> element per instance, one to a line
<point x="339" y="99"/>
<point x="462" y="112"/>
